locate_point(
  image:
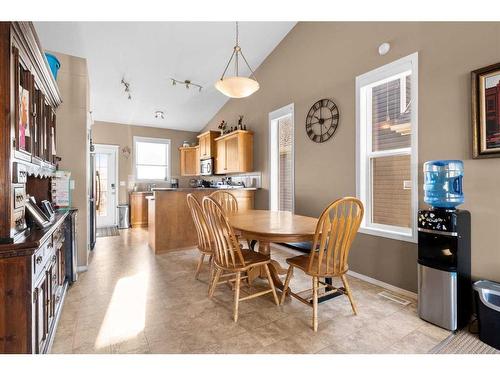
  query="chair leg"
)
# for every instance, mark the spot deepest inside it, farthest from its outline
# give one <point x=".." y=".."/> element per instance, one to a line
<point x="349" y="294"/>
<point x="215" y="280"/>
<point x="211" y="270"/>
<point x="198" y="267"/>
<point x="236" y="296"/>
<point x="315" y="304"/>
<point x="287" y="283"/>
<point x="271" y="284"/>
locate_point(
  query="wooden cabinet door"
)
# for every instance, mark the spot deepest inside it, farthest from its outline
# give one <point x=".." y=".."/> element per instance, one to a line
<point x="189" y="161"/>
<point x="40" y="300"/>
<point x="203" y="147"/>
<point x="61" y="266"/>
<point x="220" y="160"/>
<point x="232" y="155"/>
<point x="139" y="210"/>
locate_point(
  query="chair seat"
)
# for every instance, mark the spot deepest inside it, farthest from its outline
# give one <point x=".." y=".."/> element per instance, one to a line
<point x="251" y="258"/>
<point x="302" y="262"/>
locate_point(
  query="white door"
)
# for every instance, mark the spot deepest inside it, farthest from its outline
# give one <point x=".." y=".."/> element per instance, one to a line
<point x="105" y="175"/>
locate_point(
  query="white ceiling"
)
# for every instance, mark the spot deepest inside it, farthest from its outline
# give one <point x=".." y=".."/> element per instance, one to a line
<point x="147" y="54"/>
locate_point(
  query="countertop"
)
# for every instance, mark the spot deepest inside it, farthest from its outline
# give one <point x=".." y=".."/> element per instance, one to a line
<point x="189" y="189"/>
<point x="201" y="188"/>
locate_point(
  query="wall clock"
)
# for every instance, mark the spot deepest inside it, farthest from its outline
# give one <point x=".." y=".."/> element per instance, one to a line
<point x="322" y="120"/>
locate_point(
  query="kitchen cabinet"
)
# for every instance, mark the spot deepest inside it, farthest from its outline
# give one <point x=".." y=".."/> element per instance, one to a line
<point x="190" y="161"/>
<point x="207" y="144"/>
<point x="139" y="209"/>
<point x="234" y="152"/>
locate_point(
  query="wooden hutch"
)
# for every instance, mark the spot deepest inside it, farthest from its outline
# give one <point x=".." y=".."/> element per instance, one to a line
<point x="34" y="262"/>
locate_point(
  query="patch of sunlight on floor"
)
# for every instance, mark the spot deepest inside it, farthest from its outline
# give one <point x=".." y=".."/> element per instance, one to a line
<point x="126" y="313"/>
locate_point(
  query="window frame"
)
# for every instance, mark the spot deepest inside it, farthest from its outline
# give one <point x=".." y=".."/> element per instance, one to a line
<point x="274" y="181"/>
<point x="364" y="153"/>
<point x="164" y="141"/>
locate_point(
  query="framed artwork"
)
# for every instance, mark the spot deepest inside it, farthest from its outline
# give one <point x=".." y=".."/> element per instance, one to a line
<point x="24" y="132"/>
<point x="486" y="112"/>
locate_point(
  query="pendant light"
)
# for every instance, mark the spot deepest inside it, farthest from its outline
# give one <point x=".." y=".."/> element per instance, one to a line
<point x="236" y="86"/>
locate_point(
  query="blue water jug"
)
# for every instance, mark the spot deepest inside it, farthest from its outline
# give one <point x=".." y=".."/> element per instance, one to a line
<point x="443" y="183"/>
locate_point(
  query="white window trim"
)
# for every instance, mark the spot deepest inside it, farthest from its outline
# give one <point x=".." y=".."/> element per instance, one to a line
<point x="274" y="116"/>
<point x="378" y="76"/>
<point x="153" y="140"/>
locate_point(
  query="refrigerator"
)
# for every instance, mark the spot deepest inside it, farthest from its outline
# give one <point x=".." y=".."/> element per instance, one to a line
<point x="93" y="199"/>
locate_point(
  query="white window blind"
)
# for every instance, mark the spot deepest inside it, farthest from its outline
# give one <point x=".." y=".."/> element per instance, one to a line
<point x="281" y="132"/>
<point x="386" y="114"/>
<point x="152" y="159"/>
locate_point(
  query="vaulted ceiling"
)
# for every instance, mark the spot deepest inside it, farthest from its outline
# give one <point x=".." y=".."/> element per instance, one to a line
<point x="148" y="54"/>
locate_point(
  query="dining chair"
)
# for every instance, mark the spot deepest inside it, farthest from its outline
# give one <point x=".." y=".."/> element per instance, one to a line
<point x="205" y="244"/>
<point x="336" y="229"/>
<point x="229" y="257"/>
<point x="226" y="200"/>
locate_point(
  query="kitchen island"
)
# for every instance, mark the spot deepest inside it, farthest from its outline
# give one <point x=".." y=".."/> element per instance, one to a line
<point x="171" y="227"/>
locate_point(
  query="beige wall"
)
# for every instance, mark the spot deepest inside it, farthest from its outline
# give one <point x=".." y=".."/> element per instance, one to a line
<point x="319" y="60"/>
<point x="123" y="135"/>
<point x="72" y="119"/>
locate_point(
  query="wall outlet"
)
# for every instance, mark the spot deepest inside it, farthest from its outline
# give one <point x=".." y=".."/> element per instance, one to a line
<point x="122" y="183"/>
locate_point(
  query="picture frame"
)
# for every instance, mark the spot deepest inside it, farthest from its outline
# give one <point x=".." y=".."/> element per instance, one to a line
<point x="485" y="112"/>
<point x="48" y="209"/>
<point x="39" y="218"/>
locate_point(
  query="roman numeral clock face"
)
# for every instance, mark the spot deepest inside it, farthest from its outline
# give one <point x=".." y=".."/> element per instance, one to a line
<point x="322" y="120"/>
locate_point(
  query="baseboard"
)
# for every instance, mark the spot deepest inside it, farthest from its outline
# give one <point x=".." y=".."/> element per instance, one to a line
<point x="392" y="288"/>
<point x="82" y="269"/>
<point x="384" y="285"/>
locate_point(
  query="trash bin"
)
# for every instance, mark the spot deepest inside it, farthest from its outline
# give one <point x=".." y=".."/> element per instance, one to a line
<point x="123" y="218"/>
<point x="488" y="312"/>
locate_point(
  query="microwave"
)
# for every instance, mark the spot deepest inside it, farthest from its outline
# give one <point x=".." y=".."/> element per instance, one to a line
<point x="207" y="167"/>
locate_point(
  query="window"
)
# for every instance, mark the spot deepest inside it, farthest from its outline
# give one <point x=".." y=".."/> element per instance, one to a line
<point x="152" y="159"/>
<point x="281" y="152"/>
<point x="387" y="164"/>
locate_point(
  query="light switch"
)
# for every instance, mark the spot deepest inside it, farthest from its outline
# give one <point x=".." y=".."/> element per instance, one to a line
<point x="72" y="184"/>
<point x="122" y="183"/>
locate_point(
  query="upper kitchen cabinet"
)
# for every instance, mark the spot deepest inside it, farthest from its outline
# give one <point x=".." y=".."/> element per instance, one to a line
<point x="234" y="152"/>
<point x="190" y="161"/>
<point x="207" y="144"/>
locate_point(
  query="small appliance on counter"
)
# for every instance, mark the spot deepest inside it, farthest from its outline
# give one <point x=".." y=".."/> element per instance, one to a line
<point x="204" y="183"/>
<point x="174" y="183"/>
<point x="444" y="248"/>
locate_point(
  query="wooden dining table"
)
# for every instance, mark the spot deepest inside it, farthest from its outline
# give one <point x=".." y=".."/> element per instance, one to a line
<point x="267" y="226"/>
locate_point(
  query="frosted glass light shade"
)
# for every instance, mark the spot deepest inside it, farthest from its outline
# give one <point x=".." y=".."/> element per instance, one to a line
<point x="237" y="87"/>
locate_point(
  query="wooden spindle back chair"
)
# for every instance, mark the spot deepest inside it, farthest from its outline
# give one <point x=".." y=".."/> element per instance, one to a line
<point x="205" y="243"/>
<point x="228" y="255"/>
<point x="336" y="229"/>
<point x="226" y="200"/>
<point x="227" y="251"/>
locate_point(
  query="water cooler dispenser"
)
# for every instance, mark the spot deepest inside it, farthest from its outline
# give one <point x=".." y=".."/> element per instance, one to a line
<point x="444" y="248"/>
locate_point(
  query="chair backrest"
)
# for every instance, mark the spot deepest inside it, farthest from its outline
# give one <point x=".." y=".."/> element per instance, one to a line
<point x="226" y="200"/>
<point x="336" y="229"/>
<point x="205" y="242"/>
<point x="227" y="252"/>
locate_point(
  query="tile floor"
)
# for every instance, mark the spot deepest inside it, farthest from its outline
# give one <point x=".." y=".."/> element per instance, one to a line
<point x="131" y="301"/>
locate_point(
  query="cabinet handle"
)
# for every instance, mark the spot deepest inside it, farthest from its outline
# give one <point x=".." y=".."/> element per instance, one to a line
<point x="54" y="257"/>
<point x="39" y="259"/>
<point x="58" y="298"/>
<point x="54" y="276"/>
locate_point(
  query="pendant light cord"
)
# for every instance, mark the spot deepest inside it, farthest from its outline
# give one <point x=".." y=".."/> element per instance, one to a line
<point x="237" y="51"/>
